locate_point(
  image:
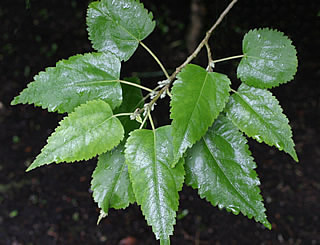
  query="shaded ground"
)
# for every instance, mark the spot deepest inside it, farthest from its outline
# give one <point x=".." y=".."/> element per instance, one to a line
<point x="53" y="205"/>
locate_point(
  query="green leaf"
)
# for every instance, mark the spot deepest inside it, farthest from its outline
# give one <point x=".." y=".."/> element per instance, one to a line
<point x="110" y="183"/>
<point x="132" y="99"/>
<point x="198" y="97"/>
<point x="258" y="114"/>
<point x="269" y="59"/>
<point x="75" y="81"/>
<point x="88" y="131"/>
<point x="118" y="26"/>
<point x="220" y="166"/>
<point x="155" y="184"/>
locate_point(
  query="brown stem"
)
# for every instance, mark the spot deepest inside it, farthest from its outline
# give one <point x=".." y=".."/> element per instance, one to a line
<point x="204" y="41"/>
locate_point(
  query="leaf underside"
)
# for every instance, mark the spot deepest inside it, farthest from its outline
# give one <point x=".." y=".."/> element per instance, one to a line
<point x="110" y="183"/>
<point x="269" y="59"/>
<point x="118" y="26"/>
<point x="198" y="97"/>
<point x="155" y="184"/>
<point x="220" y="166"/>
<point x="75" y="81"/>
<point x="258" y="114"/>
<point x="88" y="131"/>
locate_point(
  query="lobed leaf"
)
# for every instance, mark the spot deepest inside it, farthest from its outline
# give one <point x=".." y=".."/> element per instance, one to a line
<point x="155" y="184"/>
<point x="258" y="114"/>
<point x="132" y="99"/>
<point x="269" y="59"/>
<point x="198" y="97"/>
<point x="88" y="131"/>
<point x="220" y="166"/>
<point x="118" y="26"/>
<point x="110" y="183"/>
<point x="75" y="81"/>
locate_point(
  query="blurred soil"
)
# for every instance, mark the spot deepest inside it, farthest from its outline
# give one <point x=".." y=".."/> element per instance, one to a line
<point x="53" y="205"/>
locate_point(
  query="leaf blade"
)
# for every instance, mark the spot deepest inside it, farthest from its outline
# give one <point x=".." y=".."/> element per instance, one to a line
<point x="220" y="166"/>
<point x="155" y="183"/>
<point x="75" y="81"/>
<point x="269" y="59"/>
<point x="118" y="26"/>
<point x="110" y="182"/>
<point x="90" y="130"/>
<point x="198" y="97"/>
<point x="257" y="113"/>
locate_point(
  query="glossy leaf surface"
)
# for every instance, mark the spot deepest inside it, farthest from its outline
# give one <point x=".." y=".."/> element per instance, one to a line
<point x="258" y="114"/>
<point x="110" y="183"/>
<point x="155" y="184"/>
<point x="198" y="97"/>
<point x="118" y="26"/>
<point x="88" y="131"/>
<point x="269" y="59"/>
<point x="75" y="81"/>
<point x="220" y="166"/>
<point x="132" y="99"/>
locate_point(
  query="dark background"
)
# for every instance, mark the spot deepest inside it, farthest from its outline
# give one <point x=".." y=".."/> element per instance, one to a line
<point x="53" y="205"/>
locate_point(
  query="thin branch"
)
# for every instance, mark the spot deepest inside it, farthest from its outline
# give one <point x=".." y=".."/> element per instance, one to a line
<point x="143" y="122"/>
<point x="228" y="58"/>
<point x="123" y="114"/>
<point x="117" y="80"/>
<point x="204" y="41"/>
<point x="209" y="56"/>
<point x="156" y="59"/>
<point x="151" y="121"/>
<point x="136" y="85"/>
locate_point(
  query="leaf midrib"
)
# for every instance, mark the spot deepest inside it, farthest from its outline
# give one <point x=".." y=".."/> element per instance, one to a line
<point x="270" y="126"/>
<point x="195" y="104"/>
<point x="118" y="24"/>
<point x="228" y="181"/>
<point x="115" y="182"/>
<point x="81" y="135"/>
<point x="157" y="189"/>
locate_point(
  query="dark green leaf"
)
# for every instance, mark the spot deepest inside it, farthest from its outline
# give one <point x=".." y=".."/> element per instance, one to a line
<point x="258" y="114"/>
<point x="198" y="97"/>
<point x="75" y="81"/>
<point x="88" y="131"/>
<point x="132" y="99"/>
<point x="269" y="59"/>
<point x="110" y="183"/>
<point x="155" y="184"/>
<point x="220" y="166"/>
<point x="118" y="26"/>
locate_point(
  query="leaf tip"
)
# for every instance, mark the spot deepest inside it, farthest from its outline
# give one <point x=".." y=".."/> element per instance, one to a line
<point x="31" y="167"/>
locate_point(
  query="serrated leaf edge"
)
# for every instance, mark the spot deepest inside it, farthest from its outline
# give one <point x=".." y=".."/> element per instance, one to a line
<point x="57" y="129"/>
<point x="256" y="188"/>
<point x="294" y="156"/>
<point x="37" y="103"/>
<point x="221" y="110"/>
<point x="95" y="198"/>
<point x="275" y="84"/>
<point x="179" y="188"/>
<point x="149" y="13"/>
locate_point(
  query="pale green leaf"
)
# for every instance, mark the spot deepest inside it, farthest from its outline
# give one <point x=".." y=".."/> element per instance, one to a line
<point x="198" y="97"/>
<point x="220" y="166"/>
<point x="269" y="59"/>
<point x="75" y="81"/>
<point x="155" y="184"/>
<point x="110" y="183"/>
<point x="258" y="114"/>
<point x="118" y="26"/>
<point x="132" y="99"/>
<point x="88" y="131"/>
